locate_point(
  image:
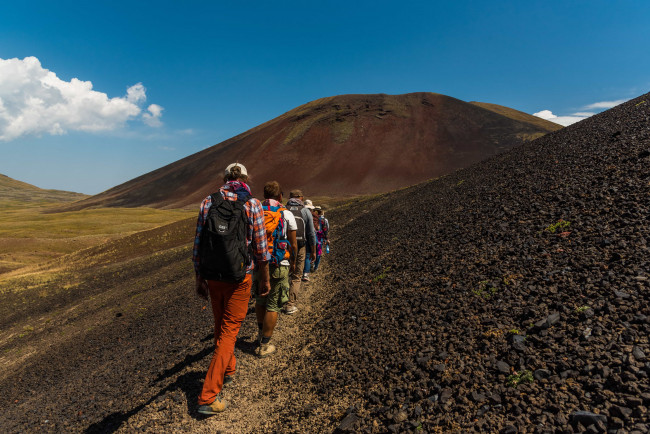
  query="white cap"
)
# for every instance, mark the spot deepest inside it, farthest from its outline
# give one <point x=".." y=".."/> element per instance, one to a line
<point x="308" y="202"/>
<point x="241" y="166"/>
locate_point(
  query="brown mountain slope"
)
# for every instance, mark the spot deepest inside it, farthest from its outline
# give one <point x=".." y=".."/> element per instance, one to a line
<point x="518" y="116"/>
<point x="14" y="191"/>
<point x="342" y="145"/>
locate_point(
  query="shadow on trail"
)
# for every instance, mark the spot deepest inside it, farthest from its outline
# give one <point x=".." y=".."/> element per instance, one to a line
<point x="188" y="360"/>
<point x="246" y="344"/>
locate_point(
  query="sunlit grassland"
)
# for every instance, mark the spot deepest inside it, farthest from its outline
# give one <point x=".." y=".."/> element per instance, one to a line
<point x="29" y="236"/>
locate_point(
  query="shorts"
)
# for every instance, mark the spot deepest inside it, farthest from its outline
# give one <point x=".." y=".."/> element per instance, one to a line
<point x="279" y="293"/>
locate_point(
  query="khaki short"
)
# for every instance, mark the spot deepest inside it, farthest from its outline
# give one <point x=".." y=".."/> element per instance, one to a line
<point x="279" y="293"/>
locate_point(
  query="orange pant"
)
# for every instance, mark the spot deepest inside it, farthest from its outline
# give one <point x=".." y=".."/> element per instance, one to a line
<point x="229" y="306"/>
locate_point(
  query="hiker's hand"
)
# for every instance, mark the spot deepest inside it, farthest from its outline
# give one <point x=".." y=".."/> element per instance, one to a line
<point x="264" y="288"/>
<point x="313" y="256"/>
<point x="202" y="288"/>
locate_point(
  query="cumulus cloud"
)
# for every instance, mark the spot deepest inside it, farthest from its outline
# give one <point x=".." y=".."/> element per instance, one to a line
<point x="136" y="94"/>
<point x="152" y="116"/>
<point x="545" y="114"/>
<point x="567" y="120"/>
<point x="33" y="100"/>
<point x="562" y="120"/>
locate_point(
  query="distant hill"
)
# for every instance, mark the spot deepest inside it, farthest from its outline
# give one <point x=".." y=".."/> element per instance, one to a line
<point x="518" y="116"/>
<point x="14" y="191"/>
<point x="341" y="146"/>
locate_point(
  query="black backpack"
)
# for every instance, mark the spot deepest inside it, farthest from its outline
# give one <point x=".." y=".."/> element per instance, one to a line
<point x="300" y="232"/>
<point x="224" y="252"/>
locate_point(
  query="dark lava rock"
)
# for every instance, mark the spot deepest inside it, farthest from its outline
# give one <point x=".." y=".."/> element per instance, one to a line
<point x="440" y="368"/>
<point x="586" y="418"/>
<point x="509" y="429"/>
<point x="541" y="374"/>
<point x="634" y="401"/>
<point x="518" y="342"/>
<point x="347" y="424"/>
<point x="622" y="412"/>
<point x="400" y="416"/>
<point x="503" y="367"/>
<point x="638" y="353"/>
<point x="477" y="396"/>
<point x="495" y="399"/>
<point x="553" y="319"/>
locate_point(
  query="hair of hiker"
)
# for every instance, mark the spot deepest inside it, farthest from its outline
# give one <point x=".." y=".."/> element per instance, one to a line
<point x="235" y="175"/>
<point x="272" y="190"/>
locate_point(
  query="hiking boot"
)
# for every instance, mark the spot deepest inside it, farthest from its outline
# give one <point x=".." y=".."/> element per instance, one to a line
<point x="290" y="310"/>
<point x="265" y="350"/>
<point x="217" y="406"/>
<point x="305" y="278"/>
<point x="227" y="379"/>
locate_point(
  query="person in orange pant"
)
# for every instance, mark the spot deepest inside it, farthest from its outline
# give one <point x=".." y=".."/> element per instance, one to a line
<point x="225" y="278"/>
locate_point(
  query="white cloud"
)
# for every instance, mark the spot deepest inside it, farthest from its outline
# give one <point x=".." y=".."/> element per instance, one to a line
<point x="562" y="120"/>
<point x="545" y="114"/>
<point x="578" y="116"/>
<point x="152" y="118"/>
<point x="33" y="100"/>
<point x="604" y="104"/>
<point x="136" y="93"/>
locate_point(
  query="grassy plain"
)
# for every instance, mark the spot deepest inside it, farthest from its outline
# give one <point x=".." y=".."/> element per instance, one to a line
<point x="32" y="235"/>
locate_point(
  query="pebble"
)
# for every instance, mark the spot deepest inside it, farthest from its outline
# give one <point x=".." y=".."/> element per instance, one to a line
<point x="503" y="367"/>
<point x="586" y="418"/>
<point x="638" y="353"/>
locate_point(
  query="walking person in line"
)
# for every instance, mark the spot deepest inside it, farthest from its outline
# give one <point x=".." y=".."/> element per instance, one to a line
<point x="230" y="233"/>
<point x="283" y="247"/>
<point x="308" y="249"/>
<point x="303" y="220"/>
<point x="322" y="236"/>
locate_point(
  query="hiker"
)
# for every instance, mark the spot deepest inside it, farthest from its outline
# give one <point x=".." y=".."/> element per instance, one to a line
<point x="281" y="239"/>
<point x="305" y="235"/>
<point x="230" y="229"/>
<point x="319" y="245"/>
<point x="322" y="236"/>
<point x="326" y="230"/>
<point x="308" y="249"/>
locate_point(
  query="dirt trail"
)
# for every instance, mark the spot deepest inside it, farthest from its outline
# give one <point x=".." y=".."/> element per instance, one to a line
<point x="262" y="387"/>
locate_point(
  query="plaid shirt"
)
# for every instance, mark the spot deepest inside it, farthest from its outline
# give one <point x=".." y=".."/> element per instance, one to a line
<point x="256" y="232"/>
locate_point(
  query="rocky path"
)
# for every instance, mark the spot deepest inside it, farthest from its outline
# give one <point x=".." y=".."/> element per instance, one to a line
<point x="262" y="390"/>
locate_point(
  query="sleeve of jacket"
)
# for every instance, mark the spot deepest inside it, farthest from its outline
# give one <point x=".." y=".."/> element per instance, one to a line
<point x="256" y="217"/>
<point x="200" y="222"/>
<point x="309" y="226"/>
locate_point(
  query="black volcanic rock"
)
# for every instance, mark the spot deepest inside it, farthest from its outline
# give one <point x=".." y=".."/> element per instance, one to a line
<point x="525" y="270"/>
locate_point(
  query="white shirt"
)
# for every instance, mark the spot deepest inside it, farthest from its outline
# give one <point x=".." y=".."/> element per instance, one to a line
<point x="290" y="226"/>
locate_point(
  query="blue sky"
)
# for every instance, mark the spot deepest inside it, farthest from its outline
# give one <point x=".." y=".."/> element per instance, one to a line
<point x="96" y="93"/>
